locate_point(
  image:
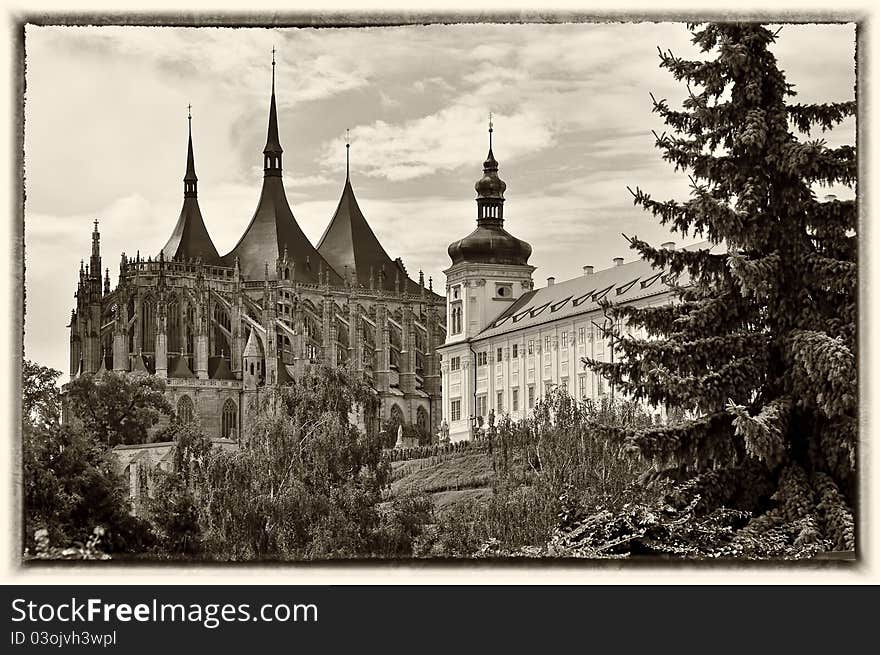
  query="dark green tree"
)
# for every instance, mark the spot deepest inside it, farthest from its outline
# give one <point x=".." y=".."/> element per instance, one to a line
<point x="117" y="408"/>
<point x="761" y="346"/>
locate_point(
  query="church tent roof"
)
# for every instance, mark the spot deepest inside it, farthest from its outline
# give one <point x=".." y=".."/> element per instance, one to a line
<point x="190" y="238"/>
<point x="272" y="229"/>
<point x="350" y="242"/>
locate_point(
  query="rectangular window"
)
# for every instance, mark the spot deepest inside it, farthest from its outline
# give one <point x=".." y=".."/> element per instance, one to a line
<point x="531" y="346"/>
<point x="565" y="339"/>
<point x="582" y="385"/>
<point x="455" y="410"/>
<point x="548" y="387"/>
<point x="499" y="401"/>
<point x="601" y="386"/>
<point x="582" y="336"/>
<point x="546" y="344"/>
<point x="531" y="396"/>
<point x="564" y="384"/>
<point x="455" y="363"/>
<point x="481" y="405"/>
<point x="482" y="358"/>
<point x="514" y="400"/>
<point x="499" y="354"/>
<point x="515" y="352"/>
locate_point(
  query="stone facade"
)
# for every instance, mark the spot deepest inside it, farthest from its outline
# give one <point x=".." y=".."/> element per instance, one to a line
<point x="221" y="329"/>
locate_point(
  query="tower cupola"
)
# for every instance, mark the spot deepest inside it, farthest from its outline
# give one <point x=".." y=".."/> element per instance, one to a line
<point x="490" y="243"/>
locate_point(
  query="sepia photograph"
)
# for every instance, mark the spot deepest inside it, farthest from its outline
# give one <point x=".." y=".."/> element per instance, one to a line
<point x="439" y="291"/>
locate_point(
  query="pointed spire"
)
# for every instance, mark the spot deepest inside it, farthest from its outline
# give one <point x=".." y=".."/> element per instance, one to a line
<point x="347" y="148"/>
<point x="190" y="187"/>
<point x="96" y="251"/>
<point x="272" y="151"/>
<point x="490" y="165"/>
<point x="490" y="131"/>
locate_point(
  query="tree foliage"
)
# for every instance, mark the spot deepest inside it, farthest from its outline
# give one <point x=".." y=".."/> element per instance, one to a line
<point x="308" y="483"/>
<point x="172" y="509"/>
<point x="40" y="396"/>
<point x="117" y="408"/>
<point x="71" y="486"/>
<point x="761" y="345"/>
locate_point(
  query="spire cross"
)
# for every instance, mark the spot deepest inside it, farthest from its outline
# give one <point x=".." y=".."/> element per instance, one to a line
<point x="273" y="70"/>
<point x="96" y="225"/>
<point x="189" y="112"/>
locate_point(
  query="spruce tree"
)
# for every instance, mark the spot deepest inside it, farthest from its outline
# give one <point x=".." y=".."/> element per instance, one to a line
<point x="760" y="346"/>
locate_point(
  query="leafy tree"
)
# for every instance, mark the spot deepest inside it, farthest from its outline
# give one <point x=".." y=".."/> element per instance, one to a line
<point x="172" y="508"/>
<point x="40" y="396"/>
<point x="71" y="485"/>
<point x="761" y="346"/>
<point x="117" y="408"/>
<point x="307" y="483"/>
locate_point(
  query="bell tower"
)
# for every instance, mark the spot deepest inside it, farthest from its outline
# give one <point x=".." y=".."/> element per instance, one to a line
<point x="490" y="266"/>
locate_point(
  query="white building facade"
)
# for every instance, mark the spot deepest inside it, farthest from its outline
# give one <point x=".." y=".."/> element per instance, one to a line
<point x="508" y="343"/>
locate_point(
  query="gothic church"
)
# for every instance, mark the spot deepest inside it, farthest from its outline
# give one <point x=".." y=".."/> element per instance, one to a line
<point x="220" y="329"/>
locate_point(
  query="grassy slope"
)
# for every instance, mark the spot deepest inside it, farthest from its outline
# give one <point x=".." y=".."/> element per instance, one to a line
<point x="448" y="479"/>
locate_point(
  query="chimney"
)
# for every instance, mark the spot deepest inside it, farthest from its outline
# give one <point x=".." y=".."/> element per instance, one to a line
<point x="618" y="261"/>
<point x="669" y="245"/>
<point x="830" y="197"/>
<point x="588" y="270"/>
<point x="551" y="281"/>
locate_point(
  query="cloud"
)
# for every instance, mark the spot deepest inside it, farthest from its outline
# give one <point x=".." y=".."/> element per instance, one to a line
<point x="106" y="129"/>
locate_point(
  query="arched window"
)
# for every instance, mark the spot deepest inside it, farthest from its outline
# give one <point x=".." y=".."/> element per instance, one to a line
<point x="422" y="419"/>
<point x="396" y="416"/>
<point x="148" y="326"/>
<point x="230" y="420"/>
<point x="185" y="409"/>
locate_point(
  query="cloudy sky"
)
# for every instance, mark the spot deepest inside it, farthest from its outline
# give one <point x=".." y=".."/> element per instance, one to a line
<point x="105" y="137"/>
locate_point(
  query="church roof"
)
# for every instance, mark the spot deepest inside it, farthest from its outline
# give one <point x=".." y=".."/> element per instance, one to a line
<point x="252" y="349"/>
<point x="181" y="369"/>
<point x="350" y="242"/>
<point x="581" y="295"/>
<point x="490" y="243"/>
<point x="272" y="229"/>
<point x="137" y="366"/>
<point x="190" y="238"/>
<point x="220" y="370"/>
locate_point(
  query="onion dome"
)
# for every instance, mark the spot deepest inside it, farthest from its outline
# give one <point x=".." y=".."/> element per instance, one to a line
<point x="490" y="185"/>
<point x="490" y="243"/>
